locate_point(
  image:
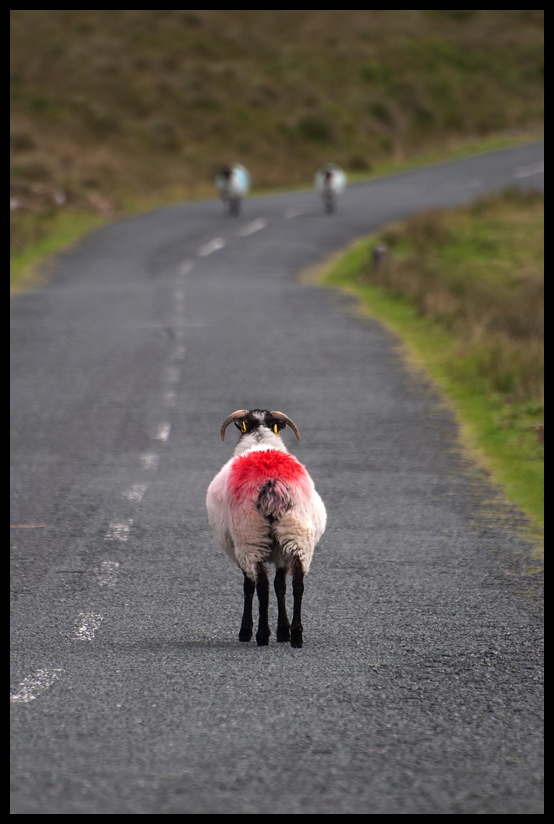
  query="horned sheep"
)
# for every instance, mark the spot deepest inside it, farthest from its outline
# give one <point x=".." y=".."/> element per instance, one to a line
<point x="233" y="184"/>
<point x="330" y="182"/>
<point x="263" y="508"/>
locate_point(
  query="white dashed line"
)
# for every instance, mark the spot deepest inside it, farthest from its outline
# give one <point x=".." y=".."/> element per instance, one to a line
<point x="254" y="226"/>
<point x="135" y="492"/>
<point x="118" y="530"/>
<point x="211" y="246"/>
<point x="529" y="171"/>
<point x="186" y="267"/>
<point x="32" y="685"/>
<point x="294" y="211"/>
<point x="86" y="625"/>
<point x="172" y="374"/>
<point x="107" y="574"/>
<point x="162" y="432"/>
<point x="149" y="460"/>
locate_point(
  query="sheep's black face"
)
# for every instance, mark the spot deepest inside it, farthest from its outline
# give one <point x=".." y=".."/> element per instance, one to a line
<point x="258" y="421"/>
<point x="257" y="418"/>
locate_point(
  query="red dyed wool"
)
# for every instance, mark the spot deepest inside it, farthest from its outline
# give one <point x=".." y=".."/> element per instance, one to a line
<point x="249" y="472"/>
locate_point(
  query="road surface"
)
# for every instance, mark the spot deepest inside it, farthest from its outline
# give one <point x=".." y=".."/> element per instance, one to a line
<point x="418" y="689"/>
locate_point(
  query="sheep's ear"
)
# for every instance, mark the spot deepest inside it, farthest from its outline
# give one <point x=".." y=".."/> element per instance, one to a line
<point x="287" y="421"/>
<point x="240" y="413"/>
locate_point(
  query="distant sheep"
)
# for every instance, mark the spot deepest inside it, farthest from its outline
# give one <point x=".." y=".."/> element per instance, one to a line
<point x="233" y="184"/>
<point x="330" y="182"/>
<point x="263" y="508"/>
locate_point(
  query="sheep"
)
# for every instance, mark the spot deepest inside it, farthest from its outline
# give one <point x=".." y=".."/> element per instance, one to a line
<point x="330" y="182"/>
<point x="263" y="507"/>
<point x="232" y="183"/>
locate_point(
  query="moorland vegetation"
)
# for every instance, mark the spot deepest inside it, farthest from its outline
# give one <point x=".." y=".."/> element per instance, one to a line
<point x="464" y="289"/>
<point x="119" y="109"/>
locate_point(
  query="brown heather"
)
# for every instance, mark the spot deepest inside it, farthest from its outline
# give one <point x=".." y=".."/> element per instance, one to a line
<point x="479" y="272"/>
<point x="111" y="106"/>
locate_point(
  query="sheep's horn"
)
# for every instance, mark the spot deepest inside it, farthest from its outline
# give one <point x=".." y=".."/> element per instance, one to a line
<point x="240" y="413"/>
<point x="281" y="417"/>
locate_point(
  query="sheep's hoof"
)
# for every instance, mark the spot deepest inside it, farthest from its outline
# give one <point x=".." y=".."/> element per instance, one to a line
<point x="245" y="635"/>
<point x="296" y="639"/>
<point x="283" y="634"/>
<point x="262" y="640"/>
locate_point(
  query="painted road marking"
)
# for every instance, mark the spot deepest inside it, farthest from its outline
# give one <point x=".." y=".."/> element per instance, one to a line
<point x="211" y="246"/>
<point x="294" y="211"/>
<point x="179" y="353"/>
<point x="32" y="685"/>
<point x="162" y="432"/>
<point x="529" y="171"/>
<point x="169" y="398"/>
<point x="135" y="492"/>
<point x="107" y="574"/>
<point x="149" y="460"/>
<point x="186" y="267"/>
<point x="254" y="226"/>
<point x="173" y="374"/>
<point x="119" y="530"/>
<point x="86" y="625"/>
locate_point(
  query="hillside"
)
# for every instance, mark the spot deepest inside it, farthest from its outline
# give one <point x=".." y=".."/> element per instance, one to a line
<point x="111" y="105"/>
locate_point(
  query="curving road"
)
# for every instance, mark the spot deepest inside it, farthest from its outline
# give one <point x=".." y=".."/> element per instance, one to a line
<point x="418" y="689"/>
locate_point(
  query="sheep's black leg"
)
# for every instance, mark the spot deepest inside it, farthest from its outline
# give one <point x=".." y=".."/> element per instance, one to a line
<point x="297" y="591"/>
<point x="280" y="584"/>
<point x="262" y="587"/>
<point x="245" y="633"/>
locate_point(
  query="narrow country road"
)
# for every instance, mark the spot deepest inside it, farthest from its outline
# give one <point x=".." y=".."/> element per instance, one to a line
<point x="418" y="689"/>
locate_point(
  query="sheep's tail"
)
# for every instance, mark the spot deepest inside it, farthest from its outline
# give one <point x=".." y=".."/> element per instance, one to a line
<point x="274" y="499"/>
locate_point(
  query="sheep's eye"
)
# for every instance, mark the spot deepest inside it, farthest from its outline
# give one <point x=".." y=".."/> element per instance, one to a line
<point x="275" y="428"/>
<point x="243" y="426"/>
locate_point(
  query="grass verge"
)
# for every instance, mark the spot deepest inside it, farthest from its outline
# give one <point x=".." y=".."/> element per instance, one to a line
<point x="463" y="290"/>
<point x="48" y="236"/>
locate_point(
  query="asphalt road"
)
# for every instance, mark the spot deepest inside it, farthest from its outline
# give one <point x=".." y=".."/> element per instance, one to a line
<point x="418" y="689"/>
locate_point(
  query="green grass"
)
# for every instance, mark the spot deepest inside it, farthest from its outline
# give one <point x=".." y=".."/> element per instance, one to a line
<point x="463" y="292"/>
<point x="28" y="268"/>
